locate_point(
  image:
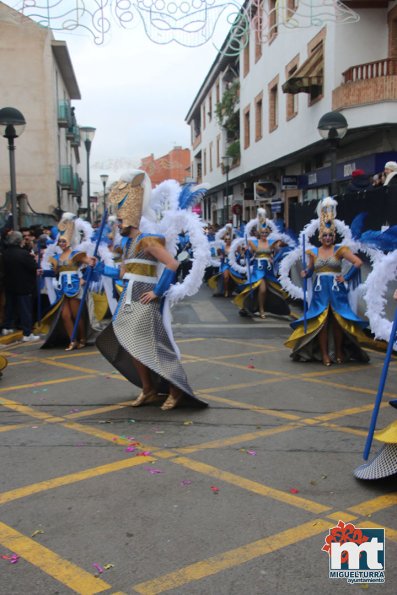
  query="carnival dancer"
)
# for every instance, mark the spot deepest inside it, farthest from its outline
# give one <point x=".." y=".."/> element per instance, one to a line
<point x="65" y="260"/>
<point x="334" y="331"/>
<point x="262" y="292"/>
<point x="139" y="341"/>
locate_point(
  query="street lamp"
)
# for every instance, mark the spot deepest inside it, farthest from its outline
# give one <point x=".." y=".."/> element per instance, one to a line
<point x="12" y="124"/>
<point x="104" y="179"/>
<point x="333" y="127"/>
<point x="227" y="162"/>
<point x="87" y="136"/>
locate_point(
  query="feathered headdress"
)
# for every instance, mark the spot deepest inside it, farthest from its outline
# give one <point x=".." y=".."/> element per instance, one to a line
<point x="67" y="229"/>
<point x="326" y="210"/>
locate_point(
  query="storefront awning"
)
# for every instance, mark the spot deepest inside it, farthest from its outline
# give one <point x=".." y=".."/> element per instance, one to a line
<point x="308" y="75"/>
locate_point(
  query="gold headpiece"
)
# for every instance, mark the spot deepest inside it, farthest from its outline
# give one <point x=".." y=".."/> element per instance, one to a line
<point x="326" y="211"/>
<point x="66" y="228"/>
<point x="127" y="197"/>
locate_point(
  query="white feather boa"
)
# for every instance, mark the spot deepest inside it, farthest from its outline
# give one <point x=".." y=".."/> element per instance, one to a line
<point x="374" y="295"/>
<point x="234" y="249"/>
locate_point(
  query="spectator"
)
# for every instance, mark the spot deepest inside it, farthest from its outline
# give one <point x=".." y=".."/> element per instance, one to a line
<point x="378" y="180"/>
<point x="390" y="173"/>
<point x="359" y="182"/>
<point x="20" y="281"/>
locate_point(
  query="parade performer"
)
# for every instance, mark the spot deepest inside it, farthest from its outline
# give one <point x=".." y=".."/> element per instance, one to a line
<point x="139" y="341"/>
<point x="384" y="463"/>
<point x="65" y="260"/>
<point x="222" y="282"/>
<point x="334" y="330"/>
<point x="263" y="291"/>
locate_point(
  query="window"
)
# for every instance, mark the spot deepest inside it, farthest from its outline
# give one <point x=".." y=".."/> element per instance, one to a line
<point x="273" y="7"/>
<point x="217" y="92"/>
<point x="247" y="127"/>
<point x="290" y="9"/>
<point x="273" y="104"/>
<point x="205" y="162"/>
<point x="258" y="116"/>
<point x="246" y="58"/>
<point x="210" y="106"/>
<point x="315" y="48"/>
<point x="218" y="150"/>
<point x="211" y="150"/>
<point x="203" y="118"/>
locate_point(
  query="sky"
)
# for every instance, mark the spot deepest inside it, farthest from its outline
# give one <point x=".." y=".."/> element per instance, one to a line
<point x="135" y="92"/>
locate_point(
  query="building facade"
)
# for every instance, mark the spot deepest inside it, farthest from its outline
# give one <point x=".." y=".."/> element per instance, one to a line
<point x="174" y="165"/>
<point x="261" y="106"/>
<point x="38" y="79"/>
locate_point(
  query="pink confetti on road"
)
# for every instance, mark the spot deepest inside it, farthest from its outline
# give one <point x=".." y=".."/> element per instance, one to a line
<point x="186" y="482"/>
<point x="215" y="489"/>
<point x="13" y="559"/>
<point x="130" y="449"/>
<point x="251" y="452"/>
<point x="251" y="367"/>
<point x="153" y="471"/>
<point x="145" y="453"/>
<point x="294" y="491"/>
<point x="98" y="567"/>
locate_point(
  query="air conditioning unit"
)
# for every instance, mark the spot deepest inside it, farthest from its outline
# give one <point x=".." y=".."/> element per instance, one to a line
<point x="265" y="190"/>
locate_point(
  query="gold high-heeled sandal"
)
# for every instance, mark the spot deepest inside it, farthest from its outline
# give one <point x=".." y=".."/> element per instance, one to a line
<point x="81" y="344"/>
<point x="72" y="345"/>
<point x="144" y="398"/>
<point x="171" y="402"/>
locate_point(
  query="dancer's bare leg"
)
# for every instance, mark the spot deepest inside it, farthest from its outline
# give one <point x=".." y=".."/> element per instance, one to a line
<point x="323" y="341"/>
<point x="226" y="280"/>
<point x="262" y="298"/>
<point x="338" y="340"/>
<point x="74" y="307"/>
<point x="148" y="393"/>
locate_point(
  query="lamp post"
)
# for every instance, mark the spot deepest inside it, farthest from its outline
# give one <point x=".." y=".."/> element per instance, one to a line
<point x="104" y="179"/>
<point x="12" y="124"/>
<point x="227" y="162"/>
<point x="333" y="127"/>
<point x="87" y="136"/>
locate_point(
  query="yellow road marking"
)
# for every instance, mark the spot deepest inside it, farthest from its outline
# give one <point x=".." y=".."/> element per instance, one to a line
<point x="69" y="355"/>
<point x="375" y="504"/>
<point x="62" y="570"/>
<point x="355" y="389"/>
<point x="44" y="383"/>
<point x="56" y="482"/>
<point x="232" y="558"/>
<point x="108" y="436"/>
<point x="26" y="410"/>
<point x="248" y="343"/>
<point x="337" y="370"/>
<point x="20" y="362"/>
<point x="228" y="387"/>
<point x="14" y="427"/>
<point x="346" y="412"/>
<point x="241" y="438"/>
<point x="255" y="408"/>
<point x="345" y="430"/>
<point x="251" y="486"/>
<point x="342" y="516"/>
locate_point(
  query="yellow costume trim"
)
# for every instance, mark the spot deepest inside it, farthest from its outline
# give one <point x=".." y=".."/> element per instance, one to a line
<point x="149" y="241"/>
<point x="77" y="258"/>
<point x="237" y="280"/>
<point x="101" y="305"/>
<point x="239" y="300"/>
<point x="150" y="270"/>
<point x="388" y="434"/>
<point x="341" y="251"/>
<point x="213" y="282"/>
<point x="46" y="321"/>
<point x="3" y="362"/>
<point x="313" y="325"/>
<point x="67" y="267"/>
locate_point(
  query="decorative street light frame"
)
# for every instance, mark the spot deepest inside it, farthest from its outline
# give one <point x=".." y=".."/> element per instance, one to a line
<point x="12" y="125"/>
<point x="87" y="134"/>
<point x="227" y="163"/>
<point x="104" y="179"/>
<point x="333" y="127"/>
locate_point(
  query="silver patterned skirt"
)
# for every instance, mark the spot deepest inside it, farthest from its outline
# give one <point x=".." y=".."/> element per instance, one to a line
<point x="137" y="330"/>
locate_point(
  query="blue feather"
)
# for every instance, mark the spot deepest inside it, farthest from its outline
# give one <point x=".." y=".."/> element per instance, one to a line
<point x="188" y="197"/>
<point x="357" y="225"/>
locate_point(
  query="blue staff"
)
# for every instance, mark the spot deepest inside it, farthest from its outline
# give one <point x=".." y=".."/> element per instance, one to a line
<point x="247" y="257"/>
<point x="89" y="275"/>
<point x="381" y="387"/>
<point x="304" y="284"/>
<point x="38" y="285"/>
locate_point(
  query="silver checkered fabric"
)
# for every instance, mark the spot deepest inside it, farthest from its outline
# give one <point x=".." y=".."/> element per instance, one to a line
<point x="382" y="465"/>
<point x="138" y="330"/>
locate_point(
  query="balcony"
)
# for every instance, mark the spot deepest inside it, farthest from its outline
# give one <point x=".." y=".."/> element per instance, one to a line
<point x="196" y="141"/>
<point x="73" y="135"/>
<point x="66" y="177"/>
<point x="64" y="114"/>
<point x="76" y="186"/>
<point x="367" y="83"/>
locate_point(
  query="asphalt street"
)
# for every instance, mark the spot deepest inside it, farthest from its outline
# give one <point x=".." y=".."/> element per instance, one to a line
<point x="235" y="499"/>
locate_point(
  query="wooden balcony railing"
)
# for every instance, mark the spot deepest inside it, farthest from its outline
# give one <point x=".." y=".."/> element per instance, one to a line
<point x="370" y="70"/>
